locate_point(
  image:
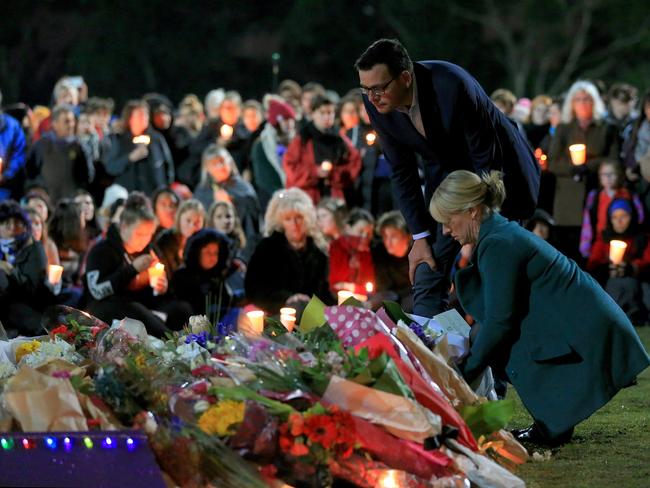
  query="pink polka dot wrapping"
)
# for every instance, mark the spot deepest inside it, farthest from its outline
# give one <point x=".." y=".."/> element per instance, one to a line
<point x="352" y="325"/>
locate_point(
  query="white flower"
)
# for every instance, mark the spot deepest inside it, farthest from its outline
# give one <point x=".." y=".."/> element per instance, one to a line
<point x="7" y="370"/>
<point x="51" y="350"/>
<point x="199" y="323"/>
<point x="201" y="406"/>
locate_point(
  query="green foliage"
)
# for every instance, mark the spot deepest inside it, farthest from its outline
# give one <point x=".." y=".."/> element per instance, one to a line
<point x="488" y="417"/>
<point x="313" y="316"/>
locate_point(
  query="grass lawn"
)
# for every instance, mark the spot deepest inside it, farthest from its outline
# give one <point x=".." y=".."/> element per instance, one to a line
<point x="609" y="449"/>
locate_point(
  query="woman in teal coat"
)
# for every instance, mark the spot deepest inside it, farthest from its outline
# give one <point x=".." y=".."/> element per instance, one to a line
<point x="549" y="327"/>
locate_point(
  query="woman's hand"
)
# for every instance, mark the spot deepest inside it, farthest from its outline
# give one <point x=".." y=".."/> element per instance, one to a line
<point x="141" y="151"/>
<point x="142" y="263"/>
<point x="161" y="285"/>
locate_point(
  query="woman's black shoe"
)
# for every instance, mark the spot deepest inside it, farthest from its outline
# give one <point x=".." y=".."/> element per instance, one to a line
<point x="534" y="435"/>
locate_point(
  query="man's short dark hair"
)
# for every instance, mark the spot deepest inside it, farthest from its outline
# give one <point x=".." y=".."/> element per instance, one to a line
<point x="385" y="51"/>
<point x="319" y="101"/>
<point x="59" y="110"/>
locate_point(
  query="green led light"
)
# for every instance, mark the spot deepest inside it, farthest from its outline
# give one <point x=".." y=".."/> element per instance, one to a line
<point x="7" y="443"/>
<point x="88" y="442"/>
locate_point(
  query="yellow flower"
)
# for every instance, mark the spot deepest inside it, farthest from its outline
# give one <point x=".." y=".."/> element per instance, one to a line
<point x="26" y="348"/>
<point x="221" y="419"/>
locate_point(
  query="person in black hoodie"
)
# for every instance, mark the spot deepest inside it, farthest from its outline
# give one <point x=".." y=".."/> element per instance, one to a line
<point x="202" y="278"/>
<point x="23" y="266"/>
<point x="288" y="266"/>
<point x="117" y="280"/>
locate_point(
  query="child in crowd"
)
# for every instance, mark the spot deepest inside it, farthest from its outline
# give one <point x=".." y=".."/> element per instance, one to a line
<point x="627" y="282"/>
<point x="390" y="258"/>
<point x="201" y="280"/>
<point x="170" y="244"/>
<point x="612" y="186"/>
<point x="165" y="204"/>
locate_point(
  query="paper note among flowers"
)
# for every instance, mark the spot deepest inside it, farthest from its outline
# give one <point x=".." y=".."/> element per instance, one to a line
<point x="453" y="325"/>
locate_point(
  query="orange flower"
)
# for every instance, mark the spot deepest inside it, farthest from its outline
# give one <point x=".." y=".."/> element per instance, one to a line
<point x="299" y="449"/>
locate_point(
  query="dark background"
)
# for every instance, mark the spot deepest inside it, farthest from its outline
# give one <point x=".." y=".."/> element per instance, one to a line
<point x="126" y="48"/>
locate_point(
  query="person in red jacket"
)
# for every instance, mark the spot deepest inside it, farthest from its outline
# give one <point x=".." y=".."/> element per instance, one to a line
<point x="351" y="265"/>
<point x="628" y="282"/>
<point x="319" y="160"/>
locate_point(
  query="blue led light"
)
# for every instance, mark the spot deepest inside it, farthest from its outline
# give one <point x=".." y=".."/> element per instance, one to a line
<point x="109" y="443"/>
<point x="130" y="444"/>
<point x="50" y="442"/>
<point x="67" y="443"/>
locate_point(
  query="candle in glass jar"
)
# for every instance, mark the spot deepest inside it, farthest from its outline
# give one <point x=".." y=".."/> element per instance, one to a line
<point x="617" y="251"/>
<point x="288" y="311"/>
<point x="343" y="295"/>
<point x="54" y="272"/>
<point x="256" y="319"/>
<point x="578" y="154"/>
<point x="143" y="139"/>
<point x="226" y="131"/>
<point x="155" y="272"/>
<point x="371" y="137"/>
<point x="289" y="321"/>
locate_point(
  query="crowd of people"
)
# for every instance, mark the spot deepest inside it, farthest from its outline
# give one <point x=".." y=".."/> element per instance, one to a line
<point x="270" y="202"/>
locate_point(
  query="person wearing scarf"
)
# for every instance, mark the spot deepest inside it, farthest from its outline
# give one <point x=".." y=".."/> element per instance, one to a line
<point x="307" y="157"/>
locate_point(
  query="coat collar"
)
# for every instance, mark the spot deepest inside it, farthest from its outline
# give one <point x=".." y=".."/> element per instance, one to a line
<point x="489" y="225"/>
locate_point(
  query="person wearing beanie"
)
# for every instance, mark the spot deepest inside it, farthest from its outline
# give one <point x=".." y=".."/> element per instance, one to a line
<point x="627" y="282"/>
<point x="270" y="146"/>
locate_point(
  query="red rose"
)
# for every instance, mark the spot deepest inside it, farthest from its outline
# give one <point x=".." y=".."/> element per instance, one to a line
<point x="61" y="329"/>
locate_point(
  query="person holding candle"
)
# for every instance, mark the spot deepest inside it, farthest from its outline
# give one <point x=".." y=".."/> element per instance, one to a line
<point x="595" y="214"/>
<point x="436" y="111"/>
<point x="288" y="265"/>
<point x="626" y="279"/>
<point x="117" y="280"/>
<point x="319" y="160"/>
<point x="220" y="180"/>
<point x="23" y="273"/>
<point x="541" y="322"/>
<point x="138" y="166"/>
<point x="351" y="265"/>
<point x="582" y="123"/>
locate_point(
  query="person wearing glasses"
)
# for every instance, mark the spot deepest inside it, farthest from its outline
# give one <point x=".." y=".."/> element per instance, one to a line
<point x="438" y="111"/>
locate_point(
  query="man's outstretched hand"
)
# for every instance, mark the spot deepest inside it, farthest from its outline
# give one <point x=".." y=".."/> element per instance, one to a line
<point x="420" y="253"/>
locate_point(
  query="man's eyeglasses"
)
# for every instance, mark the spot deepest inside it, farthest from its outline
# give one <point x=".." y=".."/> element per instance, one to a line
<point x="377" y="91"/>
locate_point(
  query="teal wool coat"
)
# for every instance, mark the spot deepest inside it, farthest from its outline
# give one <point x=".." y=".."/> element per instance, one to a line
<point x="564" y="344"/>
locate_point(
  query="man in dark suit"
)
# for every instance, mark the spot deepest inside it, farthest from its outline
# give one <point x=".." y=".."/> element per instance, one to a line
<point x="438" y="111"/>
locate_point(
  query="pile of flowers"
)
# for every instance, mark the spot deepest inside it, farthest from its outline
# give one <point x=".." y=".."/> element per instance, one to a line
<point x="300" y="408"/>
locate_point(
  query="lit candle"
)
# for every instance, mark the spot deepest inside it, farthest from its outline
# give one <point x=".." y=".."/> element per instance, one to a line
<point x="155" y="272"/>
<point x="54" y="272"/>
<point x="289" y="321"/>
<point x="1" y="165"/>
<point x="370" y="288"/>
<point x="143" y="139"/>
<point x="326" y="166"/>
<point x="389" y="479"/>
<point x="371" y="137"/>
<point x="288" y="311"/>
<point x="617" y="251"/>
<point x="256" y="319"/>
<point x="226" y="131"/>
<point x="343" y="295"/>
<point x="578" y="154"/>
